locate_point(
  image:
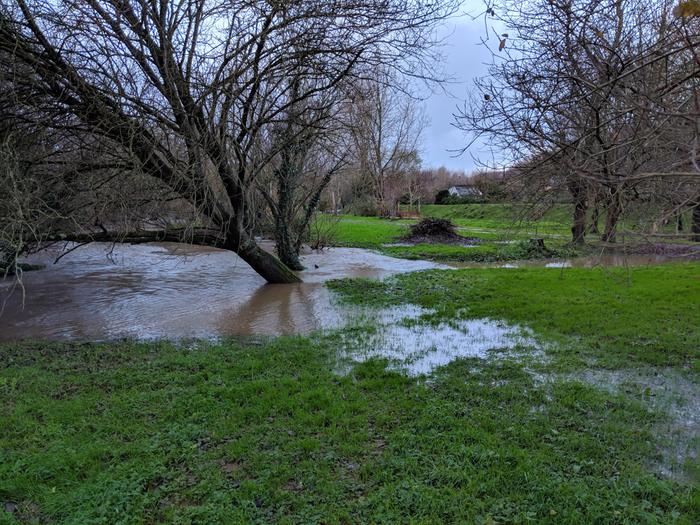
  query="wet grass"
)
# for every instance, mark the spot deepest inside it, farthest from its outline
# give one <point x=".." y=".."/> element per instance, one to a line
<point x="367" y="232"/>
<point x="376" y="233"/>
<point x="269" y="433"/>
<point x="482" y="252"/>
<point x="617" y="316"/>
<point x="492" y="224"/>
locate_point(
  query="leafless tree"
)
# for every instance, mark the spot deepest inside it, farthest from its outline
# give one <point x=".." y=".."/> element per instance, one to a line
<point x="595" y="96"/>
<point x="309" y="152"/>
<point x="386" y="128"/>
<point x="185" y="92"/>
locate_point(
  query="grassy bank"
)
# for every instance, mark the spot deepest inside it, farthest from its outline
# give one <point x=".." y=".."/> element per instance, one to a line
<point x="491" y="224"/>
<point x="483" y="252"/>
<point x="270" y="432"/>
<point x="509" y="218"/>
<point x="376" y="233"/>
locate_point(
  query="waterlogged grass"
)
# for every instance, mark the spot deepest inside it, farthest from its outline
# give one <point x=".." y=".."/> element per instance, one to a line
<point x="488" y="222"/>
<point x="269" y="433"/>
<point x="483" y="252"/>
<point x="376" y="233"/>
<point x="617" y="316"/>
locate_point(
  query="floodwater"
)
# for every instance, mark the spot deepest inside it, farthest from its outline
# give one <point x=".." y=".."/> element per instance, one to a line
<point x="167" y="290"/>
<point x="417" y="347"/>
<point x="669" y="391"/>
<point x="594" y="261"/>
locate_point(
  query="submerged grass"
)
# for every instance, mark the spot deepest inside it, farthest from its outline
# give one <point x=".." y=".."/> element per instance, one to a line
<point x="482" y="252"/>
<point x="232" y="433"/>
<point x="616" y="316"/>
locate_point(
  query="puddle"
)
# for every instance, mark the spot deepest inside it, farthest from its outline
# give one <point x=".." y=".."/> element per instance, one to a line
<point x="175" y="291"/>
<point x="418" y="347"/>
<point x="665" y="390"/>
<point x="599" y="261"/>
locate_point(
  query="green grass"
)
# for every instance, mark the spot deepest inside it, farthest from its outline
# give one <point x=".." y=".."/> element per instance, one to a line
<point x="490" y="223"/>
<point x="373" y="232"/>
<point x="642" y="315"/>
<point x="509" y="218"/>
<point x="367" y="232"/>
<point x="269" y="431"/>
<point x="483" y="252"/>
<point x="234" y="433"/>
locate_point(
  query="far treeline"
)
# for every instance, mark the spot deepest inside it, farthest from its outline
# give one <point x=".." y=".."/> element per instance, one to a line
<point x="207" y="121"/>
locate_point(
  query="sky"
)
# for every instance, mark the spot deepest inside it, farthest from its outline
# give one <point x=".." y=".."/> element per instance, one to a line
<point x="465" y="58"/>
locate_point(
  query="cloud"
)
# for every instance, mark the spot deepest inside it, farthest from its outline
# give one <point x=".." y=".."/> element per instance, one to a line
<point x="465" y="59"/>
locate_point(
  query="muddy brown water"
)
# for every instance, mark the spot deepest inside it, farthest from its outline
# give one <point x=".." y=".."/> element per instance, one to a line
<point x="175" y="291"/>
<point x="105" y="291"/>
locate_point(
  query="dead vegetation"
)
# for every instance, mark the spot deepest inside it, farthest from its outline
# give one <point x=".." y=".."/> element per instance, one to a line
<point x="444" y="231"/>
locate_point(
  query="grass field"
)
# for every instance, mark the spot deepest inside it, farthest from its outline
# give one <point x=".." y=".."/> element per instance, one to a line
<point x="592" y="420"/>
<point x="508" y="219"/>
<point x="495" y="226"/>
<point x="270" y="432"/>
<point x="492" y="224"/>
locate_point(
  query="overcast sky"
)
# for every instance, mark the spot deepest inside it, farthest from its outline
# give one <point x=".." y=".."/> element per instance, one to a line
<point x="465" y="58"/>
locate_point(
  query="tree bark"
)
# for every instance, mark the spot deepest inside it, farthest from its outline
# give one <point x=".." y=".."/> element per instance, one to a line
<point x="595" y="216"/>
<point x="267" y="265"/>
<point x="612" y="215"/>
<point x="286" y="246"/>
<point x="578" y="229"/>
<point x="696" y="223"/>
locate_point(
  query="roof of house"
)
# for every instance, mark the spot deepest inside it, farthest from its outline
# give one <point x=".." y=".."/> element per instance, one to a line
<point x="464" y="190"/>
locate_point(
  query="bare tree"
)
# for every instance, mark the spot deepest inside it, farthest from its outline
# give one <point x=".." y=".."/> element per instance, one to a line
<point x="185" y="92"/>
<point x="588" y="94"/>
<point x="386" y="128"/>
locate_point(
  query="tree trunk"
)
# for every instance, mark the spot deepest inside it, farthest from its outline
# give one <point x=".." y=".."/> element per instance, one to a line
<point x="578" y="230"/>
<point x="595" y="216"/>
<point x="285" y="244"/>
<point x="611" y="217"/>
<point x="696" y="223"/>
<point x="8" y="258"/>
<point x="283" y="210"/>
<point x="267" y="265"/>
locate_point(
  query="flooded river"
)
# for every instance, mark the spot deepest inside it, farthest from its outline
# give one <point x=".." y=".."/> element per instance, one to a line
<point x="105" y="291"/>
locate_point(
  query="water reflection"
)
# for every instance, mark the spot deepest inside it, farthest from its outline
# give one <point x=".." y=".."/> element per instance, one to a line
<point x="418" y="348"/>
<point x="104" y="291"/>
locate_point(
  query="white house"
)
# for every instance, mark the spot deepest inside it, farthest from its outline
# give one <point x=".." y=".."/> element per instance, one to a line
<point x="464" y="191"/>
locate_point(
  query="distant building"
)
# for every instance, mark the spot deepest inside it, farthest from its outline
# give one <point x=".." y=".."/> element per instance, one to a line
<point x="464" y="191"/>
